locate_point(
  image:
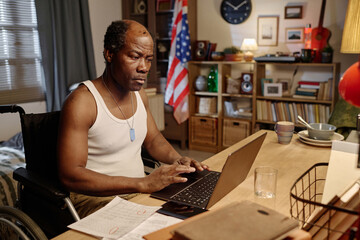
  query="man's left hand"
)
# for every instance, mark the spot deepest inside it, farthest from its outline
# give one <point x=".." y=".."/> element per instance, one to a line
<point x="191" y="162"/>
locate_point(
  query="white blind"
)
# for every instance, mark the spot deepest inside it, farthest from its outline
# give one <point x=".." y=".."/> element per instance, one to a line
<point x="20" y="55"/>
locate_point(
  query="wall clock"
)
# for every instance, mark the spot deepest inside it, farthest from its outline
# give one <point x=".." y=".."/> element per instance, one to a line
<point x="235" y="11"/>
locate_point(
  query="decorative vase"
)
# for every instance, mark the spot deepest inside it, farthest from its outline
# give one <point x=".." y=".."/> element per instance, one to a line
<point x="201" y="83"/>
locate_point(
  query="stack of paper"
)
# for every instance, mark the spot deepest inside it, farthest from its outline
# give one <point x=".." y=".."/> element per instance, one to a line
<point x="121" y="219"/>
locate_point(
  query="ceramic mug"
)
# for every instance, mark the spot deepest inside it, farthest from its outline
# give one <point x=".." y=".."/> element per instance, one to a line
<point x="284" y="131"/>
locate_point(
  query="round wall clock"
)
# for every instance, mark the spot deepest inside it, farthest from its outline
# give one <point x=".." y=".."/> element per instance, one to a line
<point x="235" y="11"/>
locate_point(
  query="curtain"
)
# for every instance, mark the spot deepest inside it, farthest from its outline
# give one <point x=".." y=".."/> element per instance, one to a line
<point x="66" y="47"/>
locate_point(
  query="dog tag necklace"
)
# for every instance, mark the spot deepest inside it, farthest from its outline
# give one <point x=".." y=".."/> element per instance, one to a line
<point x="132" y="130"/>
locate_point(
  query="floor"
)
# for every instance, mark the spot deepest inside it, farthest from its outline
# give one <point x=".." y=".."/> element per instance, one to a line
<point x="197" y="155"/>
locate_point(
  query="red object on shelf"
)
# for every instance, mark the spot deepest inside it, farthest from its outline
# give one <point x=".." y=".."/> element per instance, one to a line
<point x="349" y="85"/>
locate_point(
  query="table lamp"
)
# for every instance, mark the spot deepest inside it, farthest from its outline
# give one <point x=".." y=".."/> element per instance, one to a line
<point x="248" y="45"/>
<point x="349" y="85"/>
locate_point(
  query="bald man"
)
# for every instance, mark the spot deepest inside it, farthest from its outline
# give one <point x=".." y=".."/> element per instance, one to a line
<point x="105" y="122"/>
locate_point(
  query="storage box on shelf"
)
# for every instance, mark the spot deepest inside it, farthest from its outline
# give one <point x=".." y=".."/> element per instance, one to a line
<point x="312" y="93"/>
<point x="229" y="109"/>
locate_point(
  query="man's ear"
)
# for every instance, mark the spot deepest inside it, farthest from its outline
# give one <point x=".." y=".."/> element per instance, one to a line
<point x="107" y="56"/>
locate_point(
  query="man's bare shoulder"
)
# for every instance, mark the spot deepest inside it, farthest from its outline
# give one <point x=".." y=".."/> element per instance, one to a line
<point x="80" y="104"/>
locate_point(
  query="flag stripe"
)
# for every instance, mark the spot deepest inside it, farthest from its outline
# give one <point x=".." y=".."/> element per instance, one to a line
<point x="177" y="87"/>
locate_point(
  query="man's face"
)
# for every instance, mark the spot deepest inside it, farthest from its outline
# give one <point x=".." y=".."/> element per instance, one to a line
<point x="131" y="65"/>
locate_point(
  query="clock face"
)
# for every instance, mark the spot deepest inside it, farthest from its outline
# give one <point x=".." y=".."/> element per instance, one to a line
<point x="235" y="11"/>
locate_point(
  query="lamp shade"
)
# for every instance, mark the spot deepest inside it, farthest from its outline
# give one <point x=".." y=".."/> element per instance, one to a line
<point x="249" y="44"/>
<point x="351" y="35"/>
<point x="349" y="85"/>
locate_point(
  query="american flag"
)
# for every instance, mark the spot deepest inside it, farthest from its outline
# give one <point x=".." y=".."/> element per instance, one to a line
<point x="177" y="87"/>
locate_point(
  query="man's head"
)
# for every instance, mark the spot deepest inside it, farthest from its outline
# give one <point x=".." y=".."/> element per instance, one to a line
<point x="128" y="51"/>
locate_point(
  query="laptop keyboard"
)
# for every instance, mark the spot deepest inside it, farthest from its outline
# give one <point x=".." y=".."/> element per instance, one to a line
<point x="198" y="192"/>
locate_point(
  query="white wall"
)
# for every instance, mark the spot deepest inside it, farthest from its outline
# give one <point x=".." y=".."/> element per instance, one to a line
<point x="212" y="27"/>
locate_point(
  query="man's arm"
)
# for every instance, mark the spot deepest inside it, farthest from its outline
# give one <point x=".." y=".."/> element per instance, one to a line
<point x="159" y="147"/>
<point x="73" y="149"/>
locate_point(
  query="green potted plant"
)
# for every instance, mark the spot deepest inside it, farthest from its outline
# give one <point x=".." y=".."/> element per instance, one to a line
<point x="327" y="54"/>
<point x="233" y="53"/>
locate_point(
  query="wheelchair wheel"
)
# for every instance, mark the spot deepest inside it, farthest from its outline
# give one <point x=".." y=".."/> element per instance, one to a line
<point x="15" y="224"/>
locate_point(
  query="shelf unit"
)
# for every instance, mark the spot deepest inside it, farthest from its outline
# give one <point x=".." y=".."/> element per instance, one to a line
<point x="215" y="130"/>
<point x="158" y="22"/>
<point x="311" y="106"/>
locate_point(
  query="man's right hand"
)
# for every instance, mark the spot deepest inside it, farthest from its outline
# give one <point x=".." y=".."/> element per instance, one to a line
<point x="164" y="176"/>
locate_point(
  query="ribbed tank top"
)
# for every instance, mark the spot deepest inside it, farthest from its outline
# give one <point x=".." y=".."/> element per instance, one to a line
<point x="110" y="150"/>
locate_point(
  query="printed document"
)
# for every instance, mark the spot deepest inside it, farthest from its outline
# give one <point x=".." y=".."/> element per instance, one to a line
<point x="116" y="219"/>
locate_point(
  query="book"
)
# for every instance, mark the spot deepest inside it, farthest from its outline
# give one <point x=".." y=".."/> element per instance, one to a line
<point x="309" y="86"/>
<point x="297" y="92"/>
<point x="303" y="96"/>
<point x="307" y="90"/>
<point x="238" y="220"/>
<point x="309" y="83"/>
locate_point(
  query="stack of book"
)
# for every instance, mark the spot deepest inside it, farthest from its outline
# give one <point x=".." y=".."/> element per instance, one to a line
<point x="316" y="90"/>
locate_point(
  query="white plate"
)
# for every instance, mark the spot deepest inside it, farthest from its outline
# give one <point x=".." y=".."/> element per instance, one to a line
<point x="327" y="144"/>
<point x="305" y="136"/>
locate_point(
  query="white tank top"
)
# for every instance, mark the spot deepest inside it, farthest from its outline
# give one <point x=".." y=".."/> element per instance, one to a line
<point x="111" y="151"/>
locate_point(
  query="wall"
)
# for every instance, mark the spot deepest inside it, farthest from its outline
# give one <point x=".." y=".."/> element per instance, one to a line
<point x="102" y="13"/>
<point x="212" y="27"/>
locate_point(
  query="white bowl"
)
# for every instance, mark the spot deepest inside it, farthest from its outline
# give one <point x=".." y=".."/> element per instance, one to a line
<point x="321" y="131"/>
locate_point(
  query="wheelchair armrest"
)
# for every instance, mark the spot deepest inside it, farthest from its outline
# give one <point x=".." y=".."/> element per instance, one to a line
<point x="40" y="184"/>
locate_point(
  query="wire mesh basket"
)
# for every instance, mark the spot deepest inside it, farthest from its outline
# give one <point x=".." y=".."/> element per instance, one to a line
<point x="305" y="203"/>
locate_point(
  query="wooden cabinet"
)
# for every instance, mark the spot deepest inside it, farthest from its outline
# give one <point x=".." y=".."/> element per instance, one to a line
<point x="213" y="115"/>
<point x="268" y="110"/>
<point x="158" y="20"/>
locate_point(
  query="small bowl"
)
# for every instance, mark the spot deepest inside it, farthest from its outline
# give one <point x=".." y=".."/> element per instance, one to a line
<point x="321" y="131"/>
<point x="217" y="56"/>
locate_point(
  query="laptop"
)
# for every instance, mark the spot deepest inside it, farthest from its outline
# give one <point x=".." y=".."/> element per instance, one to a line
<point x="205" y="188"/>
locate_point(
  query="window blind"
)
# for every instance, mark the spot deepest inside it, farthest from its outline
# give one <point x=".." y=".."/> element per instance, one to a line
<point x="20" y="54"/>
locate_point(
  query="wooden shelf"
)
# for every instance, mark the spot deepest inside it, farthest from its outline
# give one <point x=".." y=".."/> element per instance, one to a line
<point x="318" y="110"/>
<point x="224" y="124"/>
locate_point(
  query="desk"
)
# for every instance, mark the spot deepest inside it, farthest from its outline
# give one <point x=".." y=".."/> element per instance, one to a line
<point x="291" y="161"/>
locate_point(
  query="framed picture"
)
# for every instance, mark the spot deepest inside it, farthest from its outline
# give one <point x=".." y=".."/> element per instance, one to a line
<point x="294" y="35"/>
<point x="272" y="89"/>
<point x="267" y="30"/>
<point x="286" y="86"/>
<point x="293" y="12"/>
<point x="265" y="80"/>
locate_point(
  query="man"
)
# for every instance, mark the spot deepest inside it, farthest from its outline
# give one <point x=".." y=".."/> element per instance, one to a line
<point x="104" y="123"/>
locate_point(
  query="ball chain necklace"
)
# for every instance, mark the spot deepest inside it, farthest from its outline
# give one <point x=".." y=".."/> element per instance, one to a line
<point x="132" y="130"/>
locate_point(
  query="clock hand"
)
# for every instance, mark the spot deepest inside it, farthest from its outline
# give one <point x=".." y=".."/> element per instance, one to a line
<point x="239" y="6"/>
<point x="230" y="5"/>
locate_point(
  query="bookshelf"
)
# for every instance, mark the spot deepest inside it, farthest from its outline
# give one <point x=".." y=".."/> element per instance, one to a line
<point x="268" y="109"/>
<point x="212" y="126"/>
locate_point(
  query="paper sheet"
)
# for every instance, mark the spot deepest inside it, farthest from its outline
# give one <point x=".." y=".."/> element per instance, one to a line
<point x="152" y="224"/>
<point x="116" y="219"/>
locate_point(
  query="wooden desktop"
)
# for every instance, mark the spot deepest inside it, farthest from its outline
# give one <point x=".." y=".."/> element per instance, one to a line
<point x="291" y="160"/>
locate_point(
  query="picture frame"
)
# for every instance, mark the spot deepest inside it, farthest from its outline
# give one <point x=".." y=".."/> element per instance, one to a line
<point x="286" y="86"/>
<point x="294" y="35"/>
<point x="293" y="12"/>
<point x="263" y="81"/>
<point x="268" y="30"/>
<point x="272" y="89"/>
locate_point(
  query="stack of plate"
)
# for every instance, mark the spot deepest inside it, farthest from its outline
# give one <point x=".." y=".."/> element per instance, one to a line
<point x="304" y="137"/>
